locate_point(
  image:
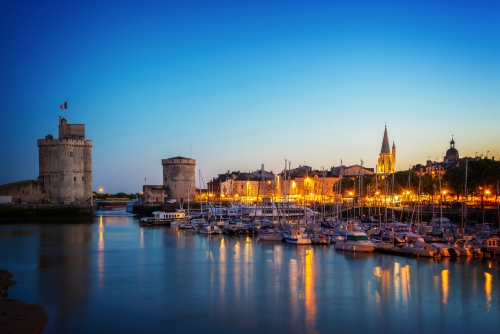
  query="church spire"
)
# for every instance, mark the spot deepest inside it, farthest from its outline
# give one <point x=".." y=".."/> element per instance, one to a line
<point x="385" y="143"/>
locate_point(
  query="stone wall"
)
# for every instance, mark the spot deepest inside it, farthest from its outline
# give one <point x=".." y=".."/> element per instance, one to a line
<point x="153" y="194"/>
<point x="22" y="191"/>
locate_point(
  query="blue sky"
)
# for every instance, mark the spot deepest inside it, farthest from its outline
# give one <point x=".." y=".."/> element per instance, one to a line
<point x="236" y="84"/>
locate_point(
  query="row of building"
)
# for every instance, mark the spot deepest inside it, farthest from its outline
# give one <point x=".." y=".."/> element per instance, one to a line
<point x="65" y="175"/>
<point x="298" y="184"/>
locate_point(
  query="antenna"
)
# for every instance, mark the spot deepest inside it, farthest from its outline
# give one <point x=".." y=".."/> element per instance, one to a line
<point x="190" y="151"/>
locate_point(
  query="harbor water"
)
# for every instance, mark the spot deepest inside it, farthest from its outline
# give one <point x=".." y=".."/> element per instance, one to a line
<point x="114" y="276"/>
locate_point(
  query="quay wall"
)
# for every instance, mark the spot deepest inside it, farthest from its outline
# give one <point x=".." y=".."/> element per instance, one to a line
<point x="24" y="212"/>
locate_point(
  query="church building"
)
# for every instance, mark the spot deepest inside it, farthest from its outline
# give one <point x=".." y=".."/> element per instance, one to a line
<point x="387" y="158"/>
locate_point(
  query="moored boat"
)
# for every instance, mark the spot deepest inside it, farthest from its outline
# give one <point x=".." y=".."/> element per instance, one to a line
<point x="355" y="242"/>
<point x="297" y="236"/>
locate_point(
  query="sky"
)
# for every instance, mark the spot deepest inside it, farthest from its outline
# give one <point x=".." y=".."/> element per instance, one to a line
<point x="237" y="84"/>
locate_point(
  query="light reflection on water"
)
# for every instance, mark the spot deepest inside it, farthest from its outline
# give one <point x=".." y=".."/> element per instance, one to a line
<point x="117" y="276"/>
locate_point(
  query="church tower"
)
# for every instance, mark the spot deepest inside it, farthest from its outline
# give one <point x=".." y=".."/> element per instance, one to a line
<point x="451" y="153"/>
<point x="387" y="159"/>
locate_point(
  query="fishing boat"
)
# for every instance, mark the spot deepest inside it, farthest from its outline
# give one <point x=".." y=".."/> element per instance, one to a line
<point x="492" y="245"/>
<point x="320" y="239"/>
<point x="297" y="236"/>
<point x="355" y="242"/>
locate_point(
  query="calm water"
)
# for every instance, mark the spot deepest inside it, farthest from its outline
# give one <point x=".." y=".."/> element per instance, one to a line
<point x="114" y="276"/>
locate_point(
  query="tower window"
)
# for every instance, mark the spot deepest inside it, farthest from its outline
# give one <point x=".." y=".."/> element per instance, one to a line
<point x="70" y="154"/>
<point x="74" y="178"/>
<point x="82" y="178"/>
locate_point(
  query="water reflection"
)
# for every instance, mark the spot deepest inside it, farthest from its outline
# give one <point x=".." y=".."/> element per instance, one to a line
<point x="444" y="286"/>
<point x="64" y="271"/>
<point x="487" y="289"/>
<point x="117" y="275"/>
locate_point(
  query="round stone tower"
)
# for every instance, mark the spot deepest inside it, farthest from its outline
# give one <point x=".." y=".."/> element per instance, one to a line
<point x="179" y="178"/>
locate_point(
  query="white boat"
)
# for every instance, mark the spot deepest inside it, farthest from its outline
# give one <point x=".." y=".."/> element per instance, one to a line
<point x="297" y="236"/>
<point x="185" y="225"/>
<point x="210" y="229"/>
<point x="464" y="248"/>
<point x="381" y="245"/>
<point x="416" y="245"/>
<point x="355" y="242"/>
<point x="162" y="216"/>
<point x="445" y="250"/>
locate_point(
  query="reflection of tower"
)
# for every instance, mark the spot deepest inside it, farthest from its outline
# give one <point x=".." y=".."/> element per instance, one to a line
<point x="64" y="270"/>
<point x="65" y="164"/>
<point x="179" y="178"/>
<point x="387" y="159"/>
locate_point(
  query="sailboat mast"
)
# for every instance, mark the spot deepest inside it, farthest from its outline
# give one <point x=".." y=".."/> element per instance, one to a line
<point x="464" y="220"/>
<point x="440" y="200"/>
<point x="340" y="188"/>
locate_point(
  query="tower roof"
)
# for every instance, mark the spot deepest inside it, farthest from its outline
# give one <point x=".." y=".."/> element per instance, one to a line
<point x="385" y="143"/>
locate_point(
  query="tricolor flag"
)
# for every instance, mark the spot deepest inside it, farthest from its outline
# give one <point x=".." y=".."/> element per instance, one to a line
<point x="64" y="106"/>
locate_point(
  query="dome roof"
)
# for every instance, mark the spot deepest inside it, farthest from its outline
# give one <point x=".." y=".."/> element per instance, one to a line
<point x="452" y="152"/>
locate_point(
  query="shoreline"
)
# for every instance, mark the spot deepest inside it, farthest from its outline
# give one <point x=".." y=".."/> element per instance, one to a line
<point x="16" y="316"/>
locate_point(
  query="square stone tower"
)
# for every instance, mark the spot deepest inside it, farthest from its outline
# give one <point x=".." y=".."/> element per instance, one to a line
<point x="65" y="165"/>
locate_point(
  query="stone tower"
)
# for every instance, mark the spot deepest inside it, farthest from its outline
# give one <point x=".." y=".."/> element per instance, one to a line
<point x="65" y="165"/>
<point x="387" y="159"/>
<point x="179" y="178"/>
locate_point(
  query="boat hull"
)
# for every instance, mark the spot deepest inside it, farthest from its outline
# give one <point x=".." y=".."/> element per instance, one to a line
<point x="270" y="237"/>
<point x="298" y="241"/>
<point x="354" y="247"/>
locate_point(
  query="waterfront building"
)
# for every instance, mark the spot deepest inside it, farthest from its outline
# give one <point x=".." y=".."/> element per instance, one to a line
<point x="301" y="185"/>
<point x="65" y="169"/>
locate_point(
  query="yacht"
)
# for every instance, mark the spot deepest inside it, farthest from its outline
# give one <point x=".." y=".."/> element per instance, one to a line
<point x="355" y="241"/>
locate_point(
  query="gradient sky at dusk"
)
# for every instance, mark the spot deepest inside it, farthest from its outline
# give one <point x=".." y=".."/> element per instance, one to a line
<point x="238" y="83"/>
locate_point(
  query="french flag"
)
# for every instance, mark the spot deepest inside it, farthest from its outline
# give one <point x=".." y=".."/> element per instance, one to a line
<point x="64" y="106"/>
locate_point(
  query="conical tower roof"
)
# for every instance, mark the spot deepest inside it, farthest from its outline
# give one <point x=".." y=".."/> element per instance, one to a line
<point x="385" y="143"/>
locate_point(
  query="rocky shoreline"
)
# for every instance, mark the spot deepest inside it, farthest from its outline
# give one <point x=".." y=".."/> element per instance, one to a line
<point x="16" y="316"/>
